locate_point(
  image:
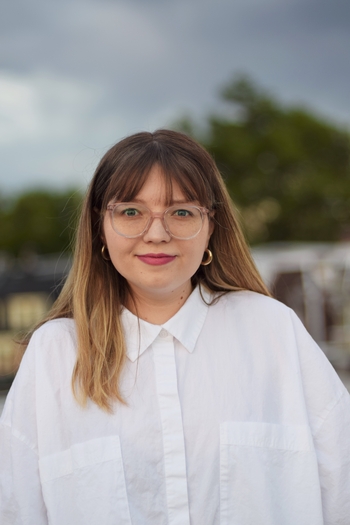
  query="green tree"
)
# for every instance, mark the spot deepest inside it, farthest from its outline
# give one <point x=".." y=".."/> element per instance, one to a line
<point x="287" y="170"/>
<point x="39" y="221"/>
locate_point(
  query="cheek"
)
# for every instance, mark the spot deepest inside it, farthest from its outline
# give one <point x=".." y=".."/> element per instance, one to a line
<point x="117" y="246"/>
<point x="197" y="249"/>
<point x="121" y="258"/>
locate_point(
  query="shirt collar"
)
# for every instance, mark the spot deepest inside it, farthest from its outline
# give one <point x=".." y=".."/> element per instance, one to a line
<point x="185" y="325"/>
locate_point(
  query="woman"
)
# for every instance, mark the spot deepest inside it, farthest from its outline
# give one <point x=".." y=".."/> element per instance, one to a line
<point x="166" y="386"/>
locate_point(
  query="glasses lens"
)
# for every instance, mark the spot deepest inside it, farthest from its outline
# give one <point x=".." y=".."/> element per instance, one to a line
<point x="183" y="222"/>
<point x="130" y="219"/>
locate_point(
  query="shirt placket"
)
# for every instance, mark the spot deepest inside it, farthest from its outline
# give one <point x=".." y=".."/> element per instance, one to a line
<point x="172" y="426"/>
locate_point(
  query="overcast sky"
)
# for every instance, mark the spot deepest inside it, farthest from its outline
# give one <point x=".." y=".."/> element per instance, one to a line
<point x="77" y="75"/>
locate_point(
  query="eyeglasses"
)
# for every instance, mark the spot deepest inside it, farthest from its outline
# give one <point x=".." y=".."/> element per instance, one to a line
<point x="181" y="221"/>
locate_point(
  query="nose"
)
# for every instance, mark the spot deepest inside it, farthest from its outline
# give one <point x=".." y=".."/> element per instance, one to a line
<point x="156" y="231"/>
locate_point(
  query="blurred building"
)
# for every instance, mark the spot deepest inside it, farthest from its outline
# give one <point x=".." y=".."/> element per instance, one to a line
<point x="28" y="287"/>
<point x="314" y="280"/>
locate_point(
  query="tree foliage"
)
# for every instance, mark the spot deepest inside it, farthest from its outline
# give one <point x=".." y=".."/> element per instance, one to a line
<point x="38" y="221"/>
<point x="287" y="169"/>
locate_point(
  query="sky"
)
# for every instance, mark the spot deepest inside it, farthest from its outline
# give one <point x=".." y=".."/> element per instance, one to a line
<point x="78" y="75"/>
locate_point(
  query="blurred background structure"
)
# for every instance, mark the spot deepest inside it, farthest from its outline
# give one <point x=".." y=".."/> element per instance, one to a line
<point x="263" y="85"/>
<point x="314" y="280"/>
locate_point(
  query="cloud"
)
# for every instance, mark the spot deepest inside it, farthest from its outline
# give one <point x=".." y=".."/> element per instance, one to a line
<point x="77" y="75"/>
<point x="46" y="127"/>
<point x="41" y="107"/>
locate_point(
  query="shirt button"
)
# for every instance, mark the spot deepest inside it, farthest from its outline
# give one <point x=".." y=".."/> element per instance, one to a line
<point x="163" y="333"/>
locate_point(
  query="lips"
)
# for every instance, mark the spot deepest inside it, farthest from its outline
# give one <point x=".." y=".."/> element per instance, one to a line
<point x="156" y="259"/>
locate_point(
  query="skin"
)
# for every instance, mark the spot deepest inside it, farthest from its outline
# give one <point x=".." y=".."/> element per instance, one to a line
<point x="159" y="290"/>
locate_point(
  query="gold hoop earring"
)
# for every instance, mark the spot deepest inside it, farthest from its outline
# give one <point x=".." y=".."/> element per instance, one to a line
<point x="103" y="253"/>
<point x="208" y="259"/>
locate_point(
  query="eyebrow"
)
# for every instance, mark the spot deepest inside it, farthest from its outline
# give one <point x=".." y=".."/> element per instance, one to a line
<point x="173" y="201"/>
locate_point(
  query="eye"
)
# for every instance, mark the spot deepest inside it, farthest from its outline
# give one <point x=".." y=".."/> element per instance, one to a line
<point x="131" y="212"/>
<point x="181" y="212"/>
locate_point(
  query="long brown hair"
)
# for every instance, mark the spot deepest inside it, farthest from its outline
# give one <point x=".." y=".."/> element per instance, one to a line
<point x="95" y="292"/>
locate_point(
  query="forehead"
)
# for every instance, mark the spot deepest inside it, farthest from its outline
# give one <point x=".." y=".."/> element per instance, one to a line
<point x="153" y="183"/>
<point x="159" y="189"/>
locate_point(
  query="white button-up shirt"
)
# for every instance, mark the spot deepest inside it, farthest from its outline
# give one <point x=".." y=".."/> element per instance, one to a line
<point x="234" y="417"/>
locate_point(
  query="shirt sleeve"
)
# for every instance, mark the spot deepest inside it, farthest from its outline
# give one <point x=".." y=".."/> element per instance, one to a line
<point x="21" y="501"/>
<point x="332" y="443"/>
<point x="328" y="406"/>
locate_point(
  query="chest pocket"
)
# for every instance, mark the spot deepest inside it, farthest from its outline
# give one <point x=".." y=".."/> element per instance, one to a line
<point x="268" y="475"/>
<point x="86" y="484"/>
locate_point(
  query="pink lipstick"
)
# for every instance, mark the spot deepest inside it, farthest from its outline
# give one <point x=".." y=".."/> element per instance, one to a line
<point x="156" y="259"/>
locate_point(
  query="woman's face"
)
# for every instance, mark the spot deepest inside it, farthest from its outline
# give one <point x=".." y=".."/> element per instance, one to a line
<point x="138" y="260"/>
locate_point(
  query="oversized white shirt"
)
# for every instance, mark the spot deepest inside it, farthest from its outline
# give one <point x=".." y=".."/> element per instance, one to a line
<point x="234" y="417"/>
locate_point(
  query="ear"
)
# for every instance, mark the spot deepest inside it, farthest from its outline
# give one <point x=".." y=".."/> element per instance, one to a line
<point x="211" y="227"/>
<point x="104" y="224"/>
<point x="102" y="234"/>
<point x="211" y="224"/>
<point x="98" y="223"/>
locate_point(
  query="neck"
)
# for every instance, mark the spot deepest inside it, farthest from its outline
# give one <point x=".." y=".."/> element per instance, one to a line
<point x="157" y="309"/>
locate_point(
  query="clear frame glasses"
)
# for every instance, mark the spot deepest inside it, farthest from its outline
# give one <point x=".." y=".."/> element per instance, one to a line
<point x="131" y="220"/>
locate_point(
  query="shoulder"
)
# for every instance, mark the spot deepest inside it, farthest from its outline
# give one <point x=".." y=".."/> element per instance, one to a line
<point x="275" y="329"/>
<point x="257" y="321"/>
<point x="56" y="329"/>
<point x="260" y="321"/>
<point x="52" y="340"/>
<point x="253" y="305"/>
